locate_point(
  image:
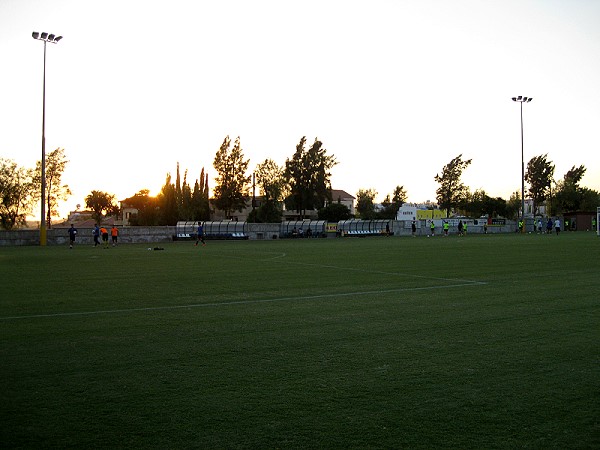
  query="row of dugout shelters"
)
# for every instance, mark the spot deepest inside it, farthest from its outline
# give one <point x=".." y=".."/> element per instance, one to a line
<point x="303" y="229"/>
<point x="226" y="229"/>
<point x="359" y="228"/>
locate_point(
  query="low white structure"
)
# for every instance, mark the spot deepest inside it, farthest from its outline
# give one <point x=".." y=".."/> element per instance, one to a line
<point x="408" y="211"/>
<point x="419" y="211"/>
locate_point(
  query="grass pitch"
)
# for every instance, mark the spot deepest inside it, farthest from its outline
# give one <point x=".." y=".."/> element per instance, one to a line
<point x="475" y="342"/>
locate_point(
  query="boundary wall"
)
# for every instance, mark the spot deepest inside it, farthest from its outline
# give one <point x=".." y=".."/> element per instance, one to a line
<point x="474" y="226"/>
<point x="60" y="236"/>
<point x="255" y="231"/>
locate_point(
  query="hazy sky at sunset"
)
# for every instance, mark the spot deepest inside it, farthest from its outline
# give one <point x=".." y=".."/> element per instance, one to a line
<point x="395" y="89"/>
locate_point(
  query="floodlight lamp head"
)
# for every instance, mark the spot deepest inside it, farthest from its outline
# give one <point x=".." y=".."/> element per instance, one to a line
<point x="44" y="35"/>
<point x="529" y="99"/>
<point x="58" y="38"/>
<point x="519" y="98"/>
<point x="51" y="37"/>
<point x="35" y="35"/>
<point x="514" y="99"/>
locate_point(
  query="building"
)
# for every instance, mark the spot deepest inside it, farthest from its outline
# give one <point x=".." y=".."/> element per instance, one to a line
<point x="339" y="196"/>
<point x="128" y="212"/>
<point x="541" y="208"/>
<point x="579" y="221"/>
<point x="419" y="211"/>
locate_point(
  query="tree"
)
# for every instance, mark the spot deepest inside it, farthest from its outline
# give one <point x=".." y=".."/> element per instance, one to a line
<point x="589" y="199"/>
<point x="451" y="190"/>
<point x="365" y="203"/>
<point x="471" y="203"/>
<point x="334" y="212"/>
<point x="268" y="212"/>
<point x="177" y="201"/>
<point x="146" y="206"/>
<point x="494" y="207"/>
<point x="539" y="175"/>
<point x="399" y="196"/>
<point x="18" y="193"/>
<point x="102" y="204"/>
<point x="178" y="196"/>
<point x="270" y="179"/>
<point x="480" y="204"/>
<point x="570" y="196"/>
<point x="391" y="207"/>
<point x="200" y="201"/>
<point x="55" y="191"/>
<point x="308" y="174"/>
<point x="185" y="200"/>
<point x="231" y="190"/>
<point x="513" y="206"/>
<point x="296" y="178"/>
<point x="167" y="203"/>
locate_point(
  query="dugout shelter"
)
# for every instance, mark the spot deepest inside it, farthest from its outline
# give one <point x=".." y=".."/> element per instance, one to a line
<point x="225" y="229"/>
<point x="360" y="228"/>
<point x="303" y="229"/>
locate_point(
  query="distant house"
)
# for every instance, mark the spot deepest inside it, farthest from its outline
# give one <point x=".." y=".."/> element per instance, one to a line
<point x="81" y="219"/>
<point x="339" y="196"/>
<point x="128" y="212"/>
<point x="84" y="219"/>
<point x="419" y="211"/>
<point x="79" y="216"/>
<point x="541" y="208"/>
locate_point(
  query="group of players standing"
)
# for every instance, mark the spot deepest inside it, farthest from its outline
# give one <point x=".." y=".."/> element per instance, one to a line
<point x="96" y="232"/>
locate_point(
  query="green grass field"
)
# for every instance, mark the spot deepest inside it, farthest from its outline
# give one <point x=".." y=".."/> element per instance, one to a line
<point x="477" y="342"/>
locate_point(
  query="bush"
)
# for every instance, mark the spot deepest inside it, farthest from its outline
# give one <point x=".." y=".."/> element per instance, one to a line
<point x="334" y="213"/>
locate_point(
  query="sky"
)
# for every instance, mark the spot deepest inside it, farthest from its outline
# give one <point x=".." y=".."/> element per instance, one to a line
<point x="395" y="89"/>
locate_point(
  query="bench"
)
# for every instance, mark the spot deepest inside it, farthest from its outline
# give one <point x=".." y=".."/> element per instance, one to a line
<point x="363" y="233"/>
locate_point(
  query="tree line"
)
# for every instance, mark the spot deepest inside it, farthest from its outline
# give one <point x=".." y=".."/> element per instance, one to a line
<point x="20" y="189"/>
<point x="453" y="196"/>
<point x="302" y="184"/>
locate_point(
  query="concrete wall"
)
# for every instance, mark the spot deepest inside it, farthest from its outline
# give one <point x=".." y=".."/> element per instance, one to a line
<point x="60" y="236"/>
<point x="263" y="231"/>
<point x="127" y="235"/>
<point x="256" y="231"/>
<point x="404" y="228"/>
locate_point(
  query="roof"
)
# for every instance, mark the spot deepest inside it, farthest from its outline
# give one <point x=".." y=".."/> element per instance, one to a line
<point x="87" y="223"/>
<point x="338" y="193"/>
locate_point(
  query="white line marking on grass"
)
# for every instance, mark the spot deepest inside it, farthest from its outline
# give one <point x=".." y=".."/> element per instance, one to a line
<point x="383" y="272"/>
<point x="244" y="302"/>
<point x="354" y="269"/>
<point x="278" y="255"/>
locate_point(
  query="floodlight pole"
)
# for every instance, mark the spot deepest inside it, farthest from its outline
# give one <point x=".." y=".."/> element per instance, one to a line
<point x="45" y="38"/>
<point x="522" y="100"/>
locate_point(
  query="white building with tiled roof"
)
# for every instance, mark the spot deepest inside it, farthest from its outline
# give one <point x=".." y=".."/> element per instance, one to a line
<point x="339" y="196"/>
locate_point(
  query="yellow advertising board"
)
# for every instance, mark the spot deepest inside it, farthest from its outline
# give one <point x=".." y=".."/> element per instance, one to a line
<point x="425" y="214"/>
<point x="331" y="227"/>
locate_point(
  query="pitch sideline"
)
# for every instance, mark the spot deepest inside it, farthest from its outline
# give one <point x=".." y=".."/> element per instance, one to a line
<point x="241" y="302"/>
